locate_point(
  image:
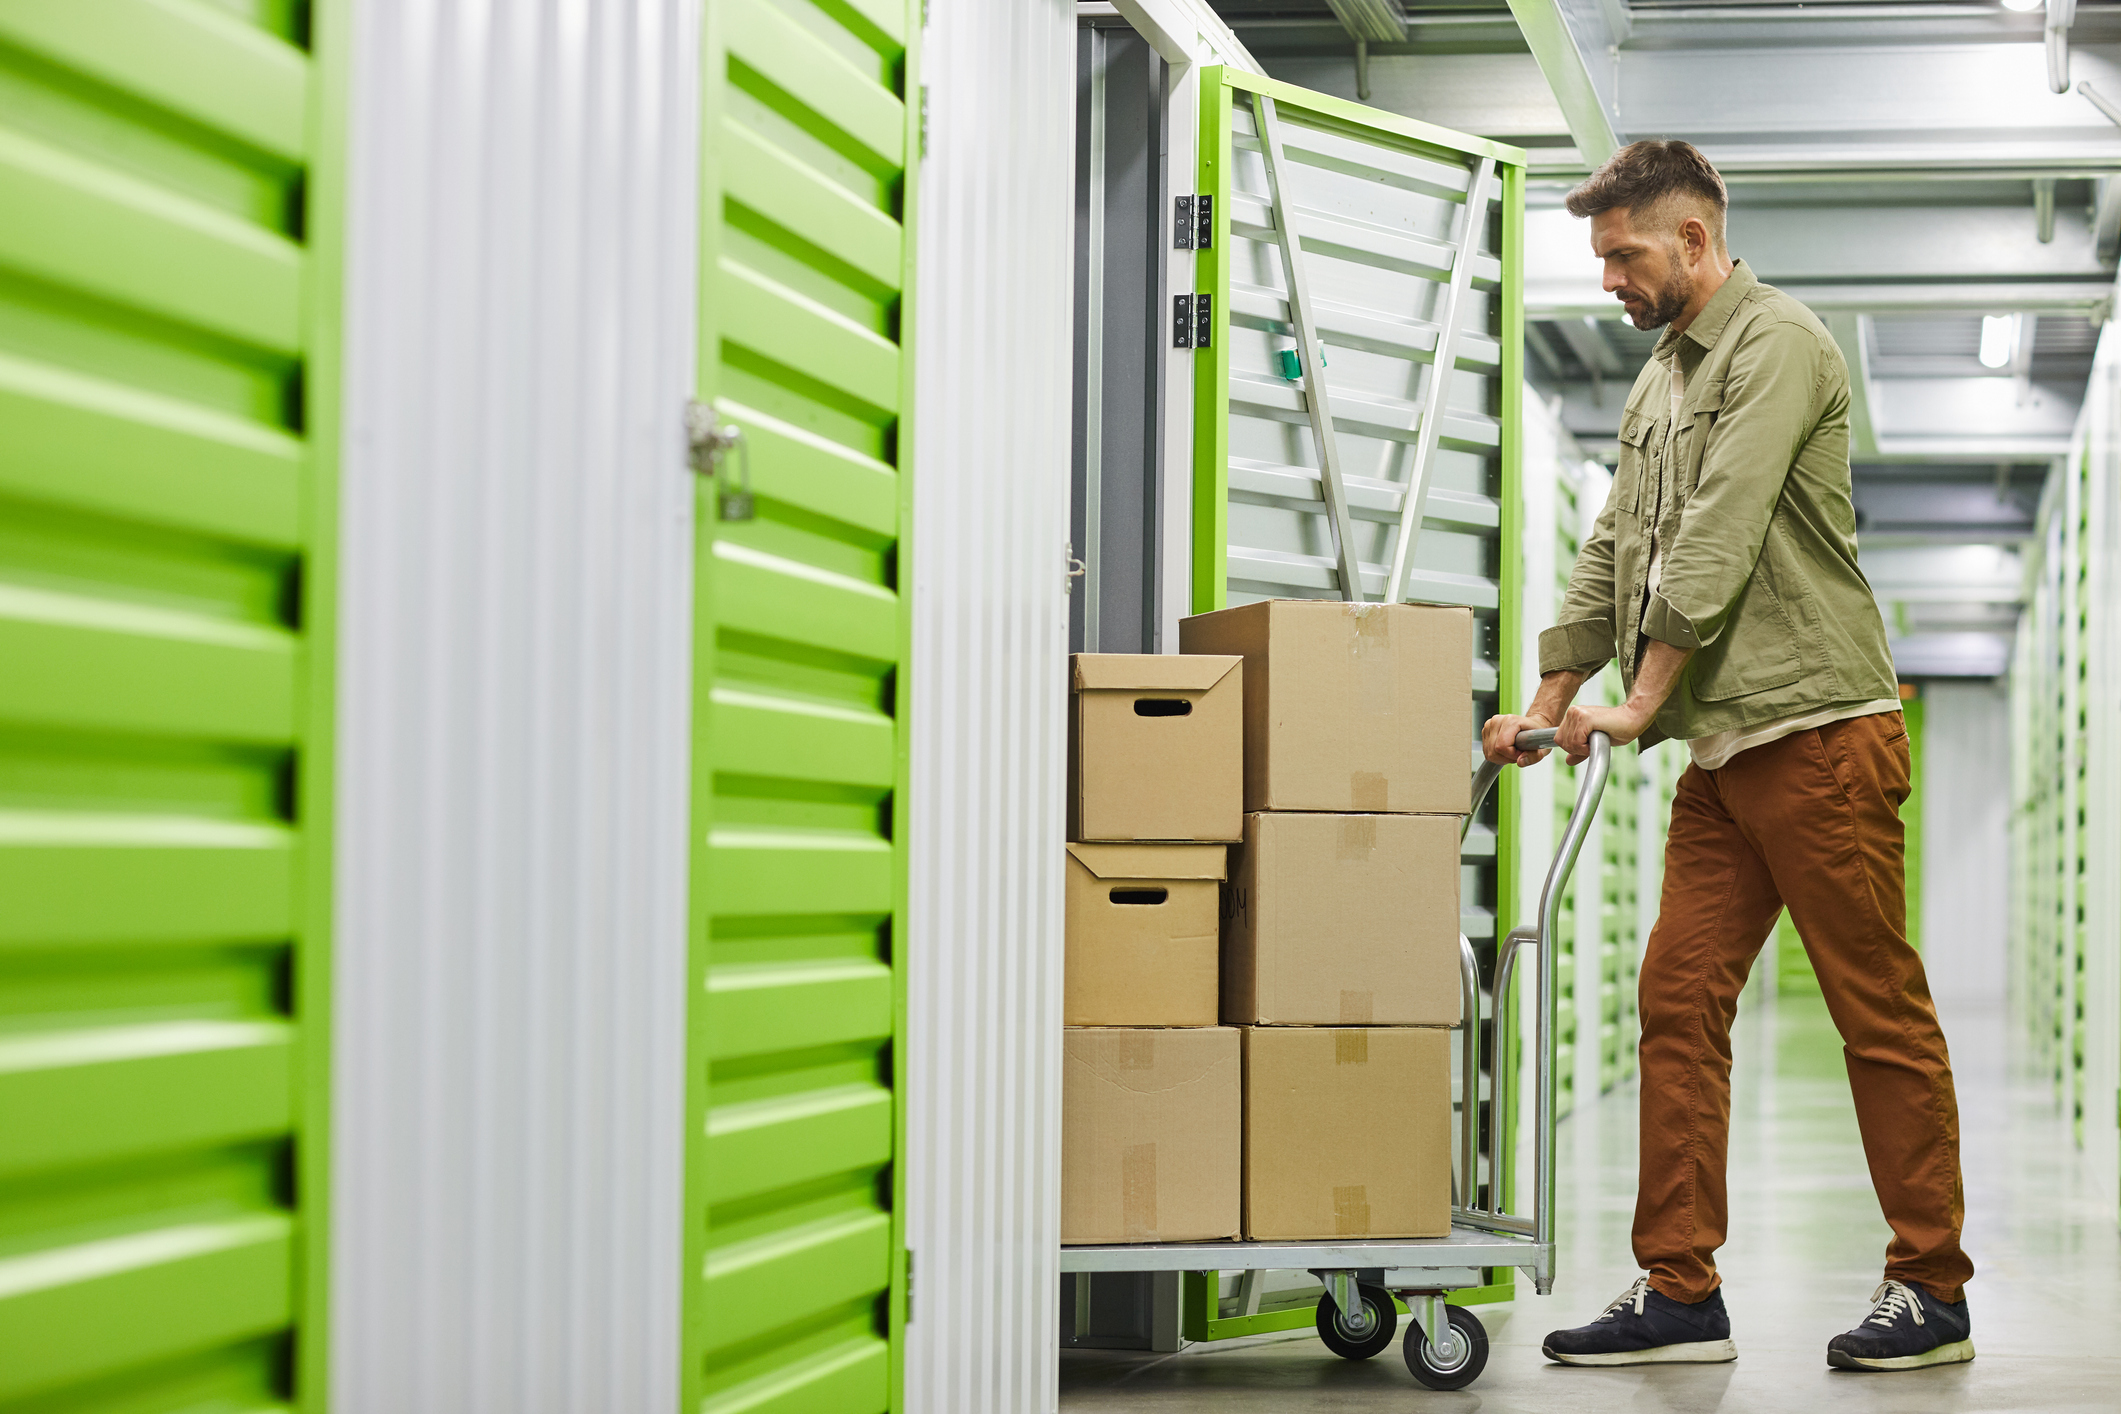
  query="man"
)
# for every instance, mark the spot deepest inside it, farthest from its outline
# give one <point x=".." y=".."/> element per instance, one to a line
<point x="1722" y="574"/>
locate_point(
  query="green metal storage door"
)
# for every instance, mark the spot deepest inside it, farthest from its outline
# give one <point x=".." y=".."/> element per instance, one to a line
<point x="163" y="701"/>
<point x="793" y="1297"/>
<point x="1406" y="262"/>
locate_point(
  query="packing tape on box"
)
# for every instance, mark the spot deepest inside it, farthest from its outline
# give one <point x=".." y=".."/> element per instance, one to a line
<point x="1130" y="1050"/>
<point x="1358" y="838"/>
<point x="1137" y="1192"/>
<point x="1368" y="790"/>
<point x="1357" y="1008"/>
<point x="1351" y="1047"/>
<point x="1351" y="1210"/>
<point x="1376" y="675"/>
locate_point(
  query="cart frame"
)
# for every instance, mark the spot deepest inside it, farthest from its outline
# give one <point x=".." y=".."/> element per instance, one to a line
<point x="1421" y="1271"/>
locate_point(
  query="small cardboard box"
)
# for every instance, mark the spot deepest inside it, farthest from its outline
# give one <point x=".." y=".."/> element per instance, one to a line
<point x="1348" y="920"/>
<point x="1151" y="1125"/>
<point x="1142" y="934"/>
<point x="1347" y="1132"/>
<point x="1156" y="748"/>
<point x="1350" y="707"/>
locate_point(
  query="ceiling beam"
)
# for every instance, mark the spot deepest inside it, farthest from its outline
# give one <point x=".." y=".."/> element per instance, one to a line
<point x="1548" y="299"/>
<point x="1577" y="50"/>
<point x="1815" y="103"/>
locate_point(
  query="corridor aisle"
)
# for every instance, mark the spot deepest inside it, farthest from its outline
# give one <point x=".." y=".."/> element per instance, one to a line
<point x="1804" y="1253"/>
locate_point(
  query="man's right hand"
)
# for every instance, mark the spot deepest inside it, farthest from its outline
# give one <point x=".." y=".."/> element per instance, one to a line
<point x="1498" y="740"/>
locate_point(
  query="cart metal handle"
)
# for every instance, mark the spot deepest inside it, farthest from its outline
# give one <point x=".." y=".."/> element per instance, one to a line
<point x="1539" y="1225"/>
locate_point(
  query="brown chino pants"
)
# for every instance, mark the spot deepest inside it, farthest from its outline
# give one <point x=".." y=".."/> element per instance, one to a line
<point x="1811" y="821"/>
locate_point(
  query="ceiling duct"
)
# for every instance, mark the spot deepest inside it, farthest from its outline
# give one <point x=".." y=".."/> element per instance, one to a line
<point x="1373" y="21"/>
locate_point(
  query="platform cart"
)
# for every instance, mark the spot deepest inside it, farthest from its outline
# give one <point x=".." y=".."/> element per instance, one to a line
<point x="1446" y="1346"/>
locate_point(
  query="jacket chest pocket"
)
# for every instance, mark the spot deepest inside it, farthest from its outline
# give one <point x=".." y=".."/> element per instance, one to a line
<point x="1635" y="432"/>
<point x="1692" y="443"/>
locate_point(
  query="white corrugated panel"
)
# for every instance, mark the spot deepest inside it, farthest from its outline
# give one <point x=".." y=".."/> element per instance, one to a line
<point x="510" y="949"/>
<point x="990" y="520"/>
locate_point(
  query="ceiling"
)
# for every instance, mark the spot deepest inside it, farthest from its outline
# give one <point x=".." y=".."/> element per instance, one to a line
<point x="1904" y="168"/>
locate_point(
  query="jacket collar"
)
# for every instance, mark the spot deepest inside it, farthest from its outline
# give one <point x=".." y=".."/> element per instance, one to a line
<point x="1714" y="316"/>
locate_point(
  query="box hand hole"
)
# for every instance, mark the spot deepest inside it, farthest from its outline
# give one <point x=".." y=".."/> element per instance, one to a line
<point x="1162" y="707"/>
<point x="1144" y="896"/>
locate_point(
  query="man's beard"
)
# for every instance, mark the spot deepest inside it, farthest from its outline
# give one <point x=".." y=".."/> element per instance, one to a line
<point x="1671" y="302"/>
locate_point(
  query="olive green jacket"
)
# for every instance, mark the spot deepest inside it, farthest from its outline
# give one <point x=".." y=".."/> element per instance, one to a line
<point x="1751" y="508"/>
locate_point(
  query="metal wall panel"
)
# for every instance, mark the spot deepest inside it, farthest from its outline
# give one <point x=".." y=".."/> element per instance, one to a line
<point x="165" y="287"/>
<point x="990" y="520"/>
<point x="516" y="709"/>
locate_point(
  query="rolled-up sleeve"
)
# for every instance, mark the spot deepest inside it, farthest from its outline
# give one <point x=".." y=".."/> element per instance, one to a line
<point x="1770" y="405"/>
<point x="1583" y="639"/>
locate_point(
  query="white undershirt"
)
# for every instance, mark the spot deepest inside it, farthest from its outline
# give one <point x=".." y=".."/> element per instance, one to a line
<point x="1715" y="750"/>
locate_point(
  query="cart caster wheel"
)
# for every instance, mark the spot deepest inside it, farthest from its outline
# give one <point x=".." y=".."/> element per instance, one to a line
<point x="1455" y="1367"/>
<point x="1375" y="1338"/>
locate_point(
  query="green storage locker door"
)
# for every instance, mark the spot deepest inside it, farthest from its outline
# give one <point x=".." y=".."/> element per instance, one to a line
<point x="160" y="674"/>
<point x="792" y="1302"/>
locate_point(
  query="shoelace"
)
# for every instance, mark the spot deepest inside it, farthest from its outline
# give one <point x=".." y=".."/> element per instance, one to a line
<point x="1894" y="1298"/>
<point x="1634" y="1296"/>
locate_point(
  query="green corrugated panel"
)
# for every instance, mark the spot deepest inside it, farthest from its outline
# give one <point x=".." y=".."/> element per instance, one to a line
<point x="161" y="623"/>
<point x="794" y="1242"/>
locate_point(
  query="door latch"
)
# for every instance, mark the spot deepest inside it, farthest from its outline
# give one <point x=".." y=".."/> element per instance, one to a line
<point x="710" y="441"/>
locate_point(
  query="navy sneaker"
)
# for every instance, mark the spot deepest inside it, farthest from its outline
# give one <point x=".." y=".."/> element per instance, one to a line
<point x="1907" y="1329"/>
<point x="1645" y="1327"/>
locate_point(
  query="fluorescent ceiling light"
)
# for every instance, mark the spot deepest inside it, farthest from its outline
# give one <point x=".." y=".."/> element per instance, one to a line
<point x="1999" y="336"/>
<point x="2022" y="5"/>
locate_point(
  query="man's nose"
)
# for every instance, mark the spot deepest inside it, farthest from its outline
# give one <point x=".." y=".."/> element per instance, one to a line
<point x="1613" y="279"/>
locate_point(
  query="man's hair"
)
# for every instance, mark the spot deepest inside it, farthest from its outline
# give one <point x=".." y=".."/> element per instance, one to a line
<point x="1651" y="177"/>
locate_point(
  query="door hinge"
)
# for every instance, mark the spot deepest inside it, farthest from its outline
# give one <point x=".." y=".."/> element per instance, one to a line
<point x="1075" y="569"/>
<point x="1204" y="222"/>
<point x="1192" y="321"/>
<point x="1182" y="224"/>
<point x="924" y="120"/>
<point x="710" y="441"/>
<point x="909" y="1285"/>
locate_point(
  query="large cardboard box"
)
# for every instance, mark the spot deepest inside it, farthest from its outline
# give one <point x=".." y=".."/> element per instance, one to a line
<point x="1347" y="1132"/>
<point x="1350" y="707"/>
<point x="1142" y="934"/>
<point x="1156" y="748"/>
<point x="1348" y="920"/>
<point x="1151" y="1125"/>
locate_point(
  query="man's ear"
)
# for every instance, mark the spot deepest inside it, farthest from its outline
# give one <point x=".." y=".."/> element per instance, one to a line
<point x="1694" y="236"/>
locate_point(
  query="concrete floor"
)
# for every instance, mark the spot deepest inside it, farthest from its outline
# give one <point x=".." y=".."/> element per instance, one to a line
<point x="1806" y="1246"/>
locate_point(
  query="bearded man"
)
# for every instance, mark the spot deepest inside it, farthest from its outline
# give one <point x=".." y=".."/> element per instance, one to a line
<point x="1722" y="575"/>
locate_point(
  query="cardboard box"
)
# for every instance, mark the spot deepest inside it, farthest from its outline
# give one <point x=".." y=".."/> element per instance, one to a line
<point x="1350" y="707"/>
<point x="1142" y="947"/>
<point x="1347" y="920"/>
<point x="1347" y="1132"/>
<point x="1156" y="748"/>
<point x="1151" y="1125"/>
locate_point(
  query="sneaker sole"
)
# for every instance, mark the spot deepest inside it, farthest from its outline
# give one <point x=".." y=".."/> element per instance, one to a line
<point x="1699" y="1352"/>
<point x="1957" y="1353"/>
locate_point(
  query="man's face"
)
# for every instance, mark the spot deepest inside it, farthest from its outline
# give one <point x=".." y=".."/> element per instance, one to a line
<point x="1644" y="269"/>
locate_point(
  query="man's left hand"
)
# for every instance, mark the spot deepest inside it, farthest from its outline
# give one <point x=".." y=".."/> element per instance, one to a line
<point x="1622" y="724"/>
